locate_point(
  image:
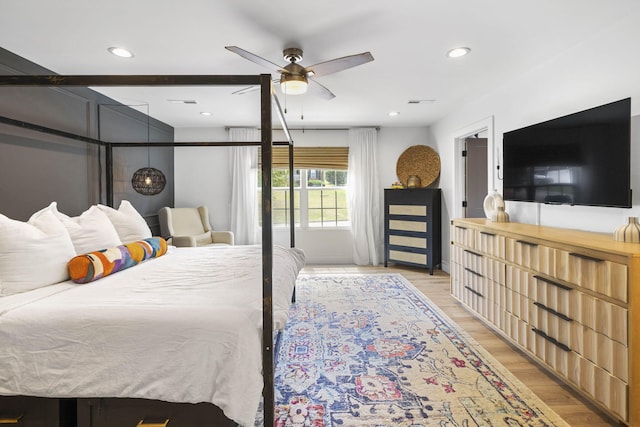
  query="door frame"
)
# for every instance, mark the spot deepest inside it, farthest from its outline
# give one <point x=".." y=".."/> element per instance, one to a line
<point x="484" y="125"/>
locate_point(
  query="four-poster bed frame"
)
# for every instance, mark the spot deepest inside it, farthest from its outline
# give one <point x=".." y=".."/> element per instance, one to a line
<point x="268" y="103"/>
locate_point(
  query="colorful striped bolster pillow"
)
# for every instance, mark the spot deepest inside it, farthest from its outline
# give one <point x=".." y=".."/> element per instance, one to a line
<point x="92" y="266"/>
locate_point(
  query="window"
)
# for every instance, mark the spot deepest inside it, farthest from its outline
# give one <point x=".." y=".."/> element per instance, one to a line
<point x="326" y="193"/>
<point x="320" y="198"/>
<point x="320" y="193"/>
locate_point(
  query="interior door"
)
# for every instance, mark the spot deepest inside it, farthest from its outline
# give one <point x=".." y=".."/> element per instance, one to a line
<point x="475" y="177"/>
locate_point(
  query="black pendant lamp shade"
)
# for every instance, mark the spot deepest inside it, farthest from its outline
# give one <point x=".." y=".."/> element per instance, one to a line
<point x="148" y="181"/>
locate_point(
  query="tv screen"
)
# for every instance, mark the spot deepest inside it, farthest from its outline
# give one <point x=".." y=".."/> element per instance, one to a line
<point x="579" y="159"/>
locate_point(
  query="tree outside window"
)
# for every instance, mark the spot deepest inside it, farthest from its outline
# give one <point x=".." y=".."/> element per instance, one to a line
<point x="320" y="198"/>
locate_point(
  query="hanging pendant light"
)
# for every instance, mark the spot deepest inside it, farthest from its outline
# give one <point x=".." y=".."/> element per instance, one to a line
<point x="148" y="181"/>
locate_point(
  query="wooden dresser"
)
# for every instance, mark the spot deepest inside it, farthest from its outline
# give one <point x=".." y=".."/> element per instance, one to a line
<point x="412" y="227"/>
<point x="568" y="298"/>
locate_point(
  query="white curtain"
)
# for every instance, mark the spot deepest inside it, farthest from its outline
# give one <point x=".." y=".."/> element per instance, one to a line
<point x="244" y="192"/>
<point x="364" y="196"/>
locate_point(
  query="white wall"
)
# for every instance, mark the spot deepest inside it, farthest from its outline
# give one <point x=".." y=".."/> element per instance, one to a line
<point x="599" y="70"/>
<point x="202" y="174"/>
<point x="202" y="177"/>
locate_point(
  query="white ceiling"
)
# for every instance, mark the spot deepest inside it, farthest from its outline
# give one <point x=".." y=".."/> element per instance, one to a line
<point x="408" y="39"/>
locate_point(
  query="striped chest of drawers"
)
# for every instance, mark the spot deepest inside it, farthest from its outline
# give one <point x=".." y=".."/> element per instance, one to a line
<point x="412" y="228"/>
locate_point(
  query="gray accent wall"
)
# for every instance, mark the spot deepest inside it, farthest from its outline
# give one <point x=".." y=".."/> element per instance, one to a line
<point x="37" y="168"/>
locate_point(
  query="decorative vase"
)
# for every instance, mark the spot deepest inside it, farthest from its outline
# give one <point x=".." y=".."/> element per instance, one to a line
<point x="628" y="232"/>
<point x="499" y="215"/>
<point x="492" y="202"/>
<point x="413" y="181"/>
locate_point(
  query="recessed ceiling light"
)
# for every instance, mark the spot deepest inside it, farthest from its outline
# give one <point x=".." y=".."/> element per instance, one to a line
<point x="394" y="113"/>
<point x="206" y="113"/>
<point x="121" y="52"/>
<point x="458" y="52"/>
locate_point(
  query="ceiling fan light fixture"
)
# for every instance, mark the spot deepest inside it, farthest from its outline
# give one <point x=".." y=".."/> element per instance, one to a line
<point x="293" y="84"/>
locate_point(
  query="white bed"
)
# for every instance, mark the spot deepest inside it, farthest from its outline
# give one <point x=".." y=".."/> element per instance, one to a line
<point x="184" y="327"/>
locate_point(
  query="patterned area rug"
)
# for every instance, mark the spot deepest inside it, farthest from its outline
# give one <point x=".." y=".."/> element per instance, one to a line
<point x="371" y="350"/>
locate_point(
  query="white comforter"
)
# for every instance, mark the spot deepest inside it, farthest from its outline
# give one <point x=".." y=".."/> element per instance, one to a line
<point x="185" y="327"/>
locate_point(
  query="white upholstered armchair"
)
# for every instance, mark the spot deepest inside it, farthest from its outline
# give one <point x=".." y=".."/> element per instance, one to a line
<point x="190" y="227"/>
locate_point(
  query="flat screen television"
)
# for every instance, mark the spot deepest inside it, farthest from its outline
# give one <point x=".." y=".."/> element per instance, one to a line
<point x="578" y="159"/>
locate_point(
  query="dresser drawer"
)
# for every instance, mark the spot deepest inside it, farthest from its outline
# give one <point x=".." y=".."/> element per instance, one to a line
<point x="490" y="243"/>
<point x="463" y="236"/>
<point x="408" y="241"/>
<point x="599" y="384"/>
<point x="411" y="257"/>
<point x="594" y="273"/>
<point x="602" y="316"/>
<point x="36" y="412"/>
<point x="410" y="210"/>
<point x="406" y="225"/>
<point x="114" y="412"/>
<point x="531" y="255"/>
<point x="601" y="350"/>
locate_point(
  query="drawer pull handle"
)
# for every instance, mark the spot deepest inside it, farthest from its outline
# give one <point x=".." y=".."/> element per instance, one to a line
<point x="551" y="339"/>
<point x="486" y="233"/>
<point x="11" y="420"/>
<point x="587" y="257"/>
<point x="473" y="253"/>
<point x="473" y="272"/>
<point x="524" y="242"/>
<point x="155" y="423"/>
<point x="552" y="311"/>
<point x="473" y="291"/>
<point x="461" y="228"/>
<point x="551" y="282"/>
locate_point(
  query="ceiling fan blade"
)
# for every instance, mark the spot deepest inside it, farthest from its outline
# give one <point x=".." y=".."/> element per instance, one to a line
<point x="320" y="90"/>
<point x="255" y="58"/>
<point x="245" y="90"/>
<point x="252" y="88"/>
<point x="339" y="64"/>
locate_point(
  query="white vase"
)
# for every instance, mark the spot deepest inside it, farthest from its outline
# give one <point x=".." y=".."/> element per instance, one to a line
<point x="492" y="202"/>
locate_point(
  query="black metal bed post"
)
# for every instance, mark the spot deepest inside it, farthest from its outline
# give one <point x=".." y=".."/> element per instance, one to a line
<point x="292" y="205"/>
<point x="267" y="253"/>
<point x="292" y="217"/>
<point x="109" y="172"/>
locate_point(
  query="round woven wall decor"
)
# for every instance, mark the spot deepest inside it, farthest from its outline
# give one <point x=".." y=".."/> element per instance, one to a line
<point x="419" y="160"/>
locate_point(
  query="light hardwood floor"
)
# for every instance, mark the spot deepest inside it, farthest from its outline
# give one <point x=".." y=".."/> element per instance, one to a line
<point x="573" y="408"/>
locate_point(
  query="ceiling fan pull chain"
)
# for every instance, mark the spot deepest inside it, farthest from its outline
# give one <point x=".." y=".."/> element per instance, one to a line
<point x="302" y="111"/>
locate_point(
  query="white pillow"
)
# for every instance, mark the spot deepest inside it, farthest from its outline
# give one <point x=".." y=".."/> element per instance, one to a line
<point x="33" y="254"/>
<point x="129" y="224"/>
<point x="91" y="231"/>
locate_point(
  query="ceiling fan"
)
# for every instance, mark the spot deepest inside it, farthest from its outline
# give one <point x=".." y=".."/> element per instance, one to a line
<point x="294" y="78"/>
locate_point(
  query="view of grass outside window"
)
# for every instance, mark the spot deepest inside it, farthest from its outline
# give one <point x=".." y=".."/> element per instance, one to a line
<point x="320" y="198"/>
